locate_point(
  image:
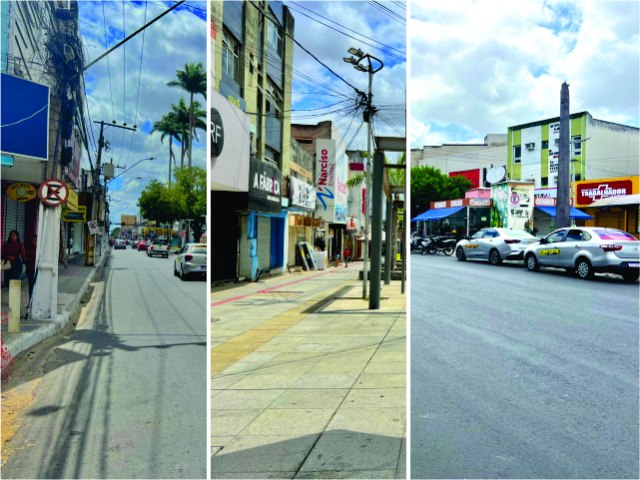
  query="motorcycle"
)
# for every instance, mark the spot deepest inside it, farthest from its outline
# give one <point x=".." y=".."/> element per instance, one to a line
<point x="416" y="242"/>
<point x="444" y="244"/>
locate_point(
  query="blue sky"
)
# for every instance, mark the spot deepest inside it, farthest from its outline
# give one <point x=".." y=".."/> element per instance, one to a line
<point x="478" y="67"/>
<point x="377" y="34"/>
<point x="129" y="85"/>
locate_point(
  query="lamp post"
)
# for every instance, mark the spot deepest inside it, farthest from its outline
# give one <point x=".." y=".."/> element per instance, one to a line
<point x="357" y="60"/>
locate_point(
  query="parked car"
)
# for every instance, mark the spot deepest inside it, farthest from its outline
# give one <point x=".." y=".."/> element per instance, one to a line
<point x="158" y="247"/>
<point x="142" y="246"/>
<point x="120" y="244"/>
<point x="191" y="260"/>
<point x="495" y="245"/>
<point x="586" y="251"/>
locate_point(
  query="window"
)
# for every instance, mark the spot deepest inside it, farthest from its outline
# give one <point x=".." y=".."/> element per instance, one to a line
<point x="557" y="236"/>
<point x="230" y="57"/>
<point x="545" y="144"/>
<point x="576" y="146"/>
<point x="274" y="39"/>
<point x="544" y="181"/>
<point x="574" y="236"/>
<point x="517" y="153"/>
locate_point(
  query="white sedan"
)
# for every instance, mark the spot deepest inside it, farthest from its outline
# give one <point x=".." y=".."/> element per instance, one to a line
<point x="191" y="260"/>
<point x="495" y="245"/>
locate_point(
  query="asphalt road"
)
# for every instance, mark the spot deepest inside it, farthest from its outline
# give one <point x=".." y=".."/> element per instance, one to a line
<point x="124" y="395"/>
<point x="517" y="374"/>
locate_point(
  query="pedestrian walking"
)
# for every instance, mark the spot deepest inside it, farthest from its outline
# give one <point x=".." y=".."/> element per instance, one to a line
<point x="13" y="251"/>
<point x="347" y="257"/>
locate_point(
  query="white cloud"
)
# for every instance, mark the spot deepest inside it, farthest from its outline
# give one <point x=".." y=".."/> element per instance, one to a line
<point x="480" y="66"/>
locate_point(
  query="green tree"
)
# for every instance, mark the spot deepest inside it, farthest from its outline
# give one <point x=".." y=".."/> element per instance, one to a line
<point x="189" y="196"/>
<point x="428" y="184"/>
<point x="156" y="203"/>
<point x="193" y="79"/>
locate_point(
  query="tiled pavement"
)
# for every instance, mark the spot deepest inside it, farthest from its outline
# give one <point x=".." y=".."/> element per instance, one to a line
<point x="307" y="382"/>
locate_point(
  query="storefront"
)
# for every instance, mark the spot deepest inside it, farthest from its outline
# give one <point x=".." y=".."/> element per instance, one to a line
<point x="611" y="202"/>
<point x="463" y="216"/>
<point x="300" y="218"/>
<point x="229" y="185"/>
<point x="19" y="209"/>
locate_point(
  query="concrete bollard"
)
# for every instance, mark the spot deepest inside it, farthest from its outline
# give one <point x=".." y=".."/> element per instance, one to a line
<point x="15" y="299"/>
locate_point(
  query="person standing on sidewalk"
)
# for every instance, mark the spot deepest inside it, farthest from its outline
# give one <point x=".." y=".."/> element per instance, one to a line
<point x="31" y="264"/>
<point x="347" y="257"/>
<point x="13" y="251"/>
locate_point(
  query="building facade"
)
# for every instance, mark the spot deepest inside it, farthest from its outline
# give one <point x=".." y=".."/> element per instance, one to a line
<point x="251" y="67"/>
<point x="43" y="111"/>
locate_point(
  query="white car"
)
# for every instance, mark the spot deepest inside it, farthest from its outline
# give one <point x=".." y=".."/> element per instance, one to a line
<point x="191" y="260"/>
<point x="495" y="245"/>
<point x="158" y="247"/>
<point x="587" y="250"/>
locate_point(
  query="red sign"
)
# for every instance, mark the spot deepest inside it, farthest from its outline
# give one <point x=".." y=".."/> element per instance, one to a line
<point x="53" y="192"/>
<point x="587" y="193"/>
<point x="472" y="175"/>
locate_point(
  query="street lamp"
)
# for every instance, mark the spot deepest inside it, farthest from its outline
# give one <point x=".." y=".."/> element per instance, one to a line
<point x="357" y="61"/>
<point x="127" y="169"/>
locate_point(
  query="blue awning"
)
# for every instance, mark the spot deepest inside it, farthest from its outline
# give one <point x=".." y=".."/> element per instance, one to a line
<point x="573" y="212"/>
<point x="436" y="214"/>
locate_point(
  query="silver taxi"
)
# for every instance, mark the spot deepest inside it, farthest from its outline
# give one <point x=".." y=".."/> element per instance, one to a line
<point x="586" y="251"/>
<point x="494" y="245"/>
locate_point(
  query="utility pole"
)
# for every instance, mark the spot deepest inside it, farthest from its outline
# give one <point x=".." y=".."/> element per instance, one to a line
<point x="98" y="190"/>
<point x="368" y="115"/>
<point x="563" y="213"/>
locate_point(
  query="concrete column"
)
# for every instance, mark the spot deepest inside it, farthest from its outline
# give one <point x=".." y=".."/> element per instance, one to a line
<point x="15" y="297"/>
<point x="388" y="255"/>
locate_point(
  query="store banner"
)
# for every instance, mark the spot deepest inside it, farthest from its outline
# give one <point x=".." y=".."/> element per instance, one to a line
<point x="265" y="187"/>
<point x="302" y="194"/>
<point x="73" y="169"/>
<point x="22" y="192"/>
<point x="331" y="181"/>
<point x="230" y="146"/>
<point x="592" y="191"/>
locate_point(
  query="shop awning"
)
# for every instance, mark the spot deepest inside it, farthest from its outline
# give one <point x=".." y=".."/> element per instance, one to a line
<point x="436" y="214"/>
<point x="573" y="212"/>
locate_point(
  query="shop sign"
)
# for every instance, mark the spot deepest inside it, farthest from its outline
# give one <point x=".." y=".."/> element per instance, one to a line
<point x="457" y="203"/>
<point x="480" y="202"/>
<point x="21" y="192"/>
<point x="331" y="180"/>
<point x="72" y="201"/>
<point x="73" y="169"/>
<point x="442" y="204"/>
<point x="588" y="193"/>
<point x="302" y="194"/>
<point x="75" y="216"/>
<point x="264" y="187"/>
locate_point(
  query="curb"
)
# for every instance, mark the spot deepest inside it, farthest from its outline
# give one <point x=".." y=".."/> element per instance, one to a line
<point x="47" y="328"/>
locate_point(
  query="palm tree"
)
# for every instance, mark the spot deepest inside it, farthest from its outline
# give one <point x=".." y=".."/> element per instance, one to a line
<point x="192" y="79"/>
<point x="168" y="126"/>
<point x="183" y="119"/>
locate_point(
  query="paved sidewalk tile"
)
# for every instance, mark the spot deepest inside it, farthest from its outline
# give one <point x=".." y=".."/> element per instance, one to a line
<point x="349" y="451"/>
<point x="262" y="454"/>
<point x="289" y="421"/>
<point x="308" y="386"/>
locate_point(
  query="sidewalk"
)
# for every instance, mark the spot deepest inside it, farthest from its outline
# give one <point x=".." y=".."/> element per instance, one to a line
<point x="307" y="381"/>
<point x="73" y="282"/>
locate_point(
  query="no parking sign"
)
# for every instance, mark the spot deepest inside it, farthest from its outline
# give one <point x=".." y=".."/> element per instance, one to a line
<point x="53" y="192"/>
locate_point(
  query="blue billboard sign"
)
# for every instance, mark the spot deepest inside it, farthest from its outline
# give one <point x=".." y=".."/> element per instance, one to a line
<point x="25" y="118"/>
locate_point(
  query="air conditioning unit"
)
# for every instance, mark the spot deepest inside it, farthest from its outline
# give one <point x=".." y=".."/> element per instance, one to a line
<point x="530" y="146"/>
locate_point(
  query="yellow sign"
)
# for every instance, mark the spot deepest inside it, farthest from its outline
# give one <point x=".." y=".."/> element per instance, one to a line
<point x="550" y="251"/>
<point x="79" y="215"/>
<point x="21" y="192"/>
<point x="72" y="201"/>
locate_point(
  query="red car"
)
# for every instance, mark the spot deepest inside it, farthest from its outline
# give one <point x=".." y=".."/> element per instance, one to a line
<point x="142" y="246"/>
